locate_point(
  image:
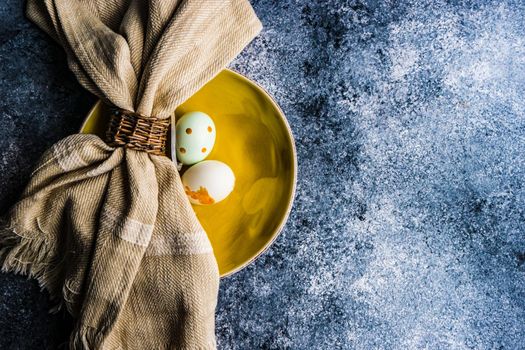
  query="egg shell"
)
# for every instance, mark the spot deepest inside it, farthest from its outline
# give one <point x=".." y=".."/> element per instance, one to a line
<point x="195" y="137"/>
<point x="208" y="182"/>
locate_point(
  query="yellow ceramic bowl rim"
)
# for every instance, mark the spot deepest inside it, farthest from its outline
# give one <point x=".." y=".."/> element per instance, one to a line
<point x="294" y="169"/>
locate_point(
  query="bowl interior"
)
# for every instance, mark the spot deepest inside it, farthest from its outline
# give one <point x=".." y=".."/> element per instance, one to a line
<point x="254" y="139"/>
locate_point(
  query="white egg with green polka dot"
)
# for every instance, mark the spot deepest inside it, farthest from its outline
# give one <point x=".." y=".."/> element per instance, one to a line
<point x="195" y="137"/>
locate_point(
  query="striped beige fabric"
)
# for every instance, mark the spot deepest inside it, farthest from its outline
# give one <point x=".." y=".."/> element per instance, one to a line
<point x="108" y="231"/>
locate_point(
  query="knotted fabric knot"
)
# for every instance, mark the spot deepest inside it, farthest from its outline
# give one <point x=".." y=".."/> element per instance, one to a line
<point x="132" y="130"/>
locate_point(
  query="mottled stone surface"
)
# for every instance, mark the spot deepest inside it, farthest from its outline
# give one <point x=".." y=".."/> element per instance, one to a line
<point x="408" y="230"/>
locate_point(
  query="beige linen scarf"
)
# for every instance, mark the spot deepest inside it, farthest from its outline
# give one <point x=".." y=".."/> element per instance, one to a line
<point x="109" y="231"/>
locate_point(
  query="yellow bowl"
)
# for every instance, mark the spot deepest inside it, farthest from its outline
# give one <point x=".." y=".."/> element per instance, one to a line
<point x="255" y="140"/>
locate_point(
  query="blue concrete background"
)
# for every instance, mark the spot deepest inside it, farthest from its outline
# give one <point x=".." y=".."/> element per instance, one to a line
<point x="408" y="230"/>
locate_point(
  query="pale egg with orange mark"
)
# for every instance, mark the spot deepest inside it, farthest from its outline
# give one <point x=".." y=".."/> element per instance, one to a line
<point x="195" y="137"/>
<point x="208" y="182"/>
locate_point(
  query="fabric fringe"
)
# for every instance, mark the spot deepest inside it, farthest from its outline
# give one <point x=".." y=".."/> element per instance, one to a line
<point x="86" y="338"/>
<point x="31" y="257"/>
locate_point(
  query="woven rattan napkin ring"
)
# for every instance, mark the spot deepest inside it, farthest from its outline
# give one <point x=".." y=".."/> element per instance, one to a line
<point x="132" y="130"/>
